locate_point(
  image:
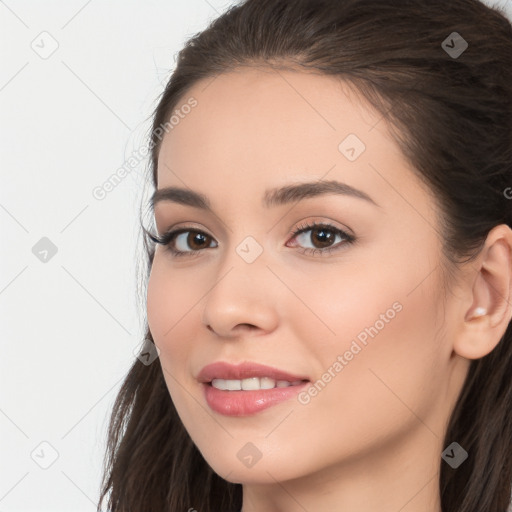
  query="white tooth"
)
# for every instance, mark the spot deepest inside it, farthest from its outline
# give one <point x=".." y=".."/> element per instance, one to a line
<point x="251" y="383"/>
<point x="267" y="383"/>
<point x="233" y="385"/>
<point x="219" y="384"/>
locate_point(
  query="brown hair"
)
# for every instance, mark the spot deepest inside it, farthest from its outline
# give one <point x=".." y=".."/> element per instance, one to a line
<point x="452" y="117"/>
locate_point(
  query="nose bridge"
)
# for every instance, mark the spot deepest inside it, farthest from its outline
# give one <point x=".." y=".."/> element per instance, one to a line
<point x="240" y="292"/>
<point x="246" y="245"/>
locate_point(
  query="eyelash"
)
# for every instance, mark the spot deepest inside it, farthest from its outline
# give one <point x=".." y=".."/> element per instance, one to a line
<point x="168" y="237"/>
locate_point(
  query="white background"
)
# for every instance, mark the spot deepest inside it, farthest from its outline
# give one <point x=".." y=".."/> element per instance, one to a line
<point x="69" y="325"/>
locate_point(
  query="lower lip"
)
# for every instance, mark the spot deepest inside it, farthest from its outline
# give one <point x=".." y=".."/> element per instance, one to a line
<point x="245" y="403"/>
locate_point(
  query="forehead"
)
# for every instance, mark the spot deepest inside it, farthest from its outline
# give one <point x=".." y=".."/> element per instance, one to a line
<point x="254" y="128"/>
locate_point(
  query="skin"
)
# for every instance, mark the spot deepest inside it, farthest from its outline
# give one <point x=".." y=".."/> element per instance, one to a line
<point x="372" y="438"/>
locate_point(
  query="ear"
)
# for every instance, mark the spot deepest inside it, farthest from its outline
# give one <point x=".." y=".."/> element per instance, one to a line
<point x="489" y="292"/>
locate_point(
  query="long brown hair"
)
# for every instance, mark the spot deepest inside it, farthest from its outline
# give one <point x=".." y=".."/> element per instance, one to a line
<point x="451" y="114"/>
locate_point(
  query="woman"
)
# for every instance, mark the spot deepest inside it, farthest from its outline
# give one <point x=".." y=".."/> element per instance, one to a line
<point x="330" y="272"/>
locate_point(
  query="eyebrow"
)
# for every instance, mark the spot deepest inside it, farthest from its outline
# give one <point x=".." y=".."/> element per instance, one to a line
<point x="272" y="197"/>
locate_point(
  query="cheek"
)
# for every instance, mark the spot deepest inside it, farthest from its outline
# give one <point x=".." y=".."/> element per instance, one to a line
<point x="385" y="304"/>
<point x="172" y="320"/>
<point x="384" y="327"/>
<point x="171" y="312"/>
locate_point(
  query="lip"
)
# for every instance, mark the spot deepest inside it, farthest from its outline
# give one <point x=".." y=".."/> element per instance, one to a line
<point x="223" y="370"/>
<point x="245" y="403"/>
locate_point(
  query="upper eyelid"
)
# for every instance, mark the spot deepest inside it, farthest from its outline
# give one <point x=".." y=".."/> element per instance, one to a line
<point x="178" y="225"/>
<point x="309" y="224"/>
<point x="317" y="219"/>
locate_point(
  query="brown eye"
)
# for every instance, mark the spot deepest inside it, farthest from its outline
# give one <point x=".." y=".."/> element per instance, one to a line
<point x="321" y="236"/>
<point x="196" y="240"/>
<point x="190" y="241"/>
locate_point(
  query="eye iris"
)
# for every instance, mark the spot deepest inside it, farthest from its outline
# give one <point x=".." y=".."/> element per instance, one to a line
<point x="327" y="239"/>
<point x="193" y="236"/>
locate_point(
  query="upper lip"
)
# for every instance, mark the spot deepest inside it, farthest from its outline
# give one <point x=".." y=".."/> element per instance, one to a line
<point x="246" y="370"/>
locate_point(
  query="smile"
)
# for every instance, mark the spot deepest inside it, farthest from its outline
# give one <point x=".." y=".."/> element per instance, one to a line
<point x="252" y="383"/>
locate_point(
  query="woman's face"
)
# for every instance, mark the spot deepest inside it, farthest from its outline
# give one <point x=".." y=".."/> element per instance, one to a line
<point x="366" y="322"/>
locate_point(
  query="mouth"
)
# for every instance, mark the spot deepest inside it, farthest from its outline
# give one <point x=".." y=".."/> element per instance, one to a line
<point x="248" y="388"/>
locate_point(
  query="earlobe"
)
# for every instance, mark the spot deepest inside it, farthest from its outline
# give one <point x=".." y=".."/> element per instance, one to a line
<point x="478" y="312"/>
<point x="487" y="319"/>
<point x="481" y="297"/>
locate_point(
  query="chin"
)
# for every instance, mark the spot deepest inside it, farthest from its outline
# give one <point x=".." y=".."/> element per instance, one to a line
<point x="252" y="476"/>
<point x="261" y="472"/>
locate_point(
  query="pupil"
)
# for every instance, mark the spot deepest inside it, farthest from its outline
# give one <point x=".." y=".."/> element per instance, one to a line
<point x="327" y="238"/>
<point x="196" y="236"/>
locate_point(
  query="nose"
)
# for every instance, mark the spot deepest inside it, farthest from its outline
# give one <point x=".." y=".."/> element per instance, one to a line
<point x="241" y="301"/>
